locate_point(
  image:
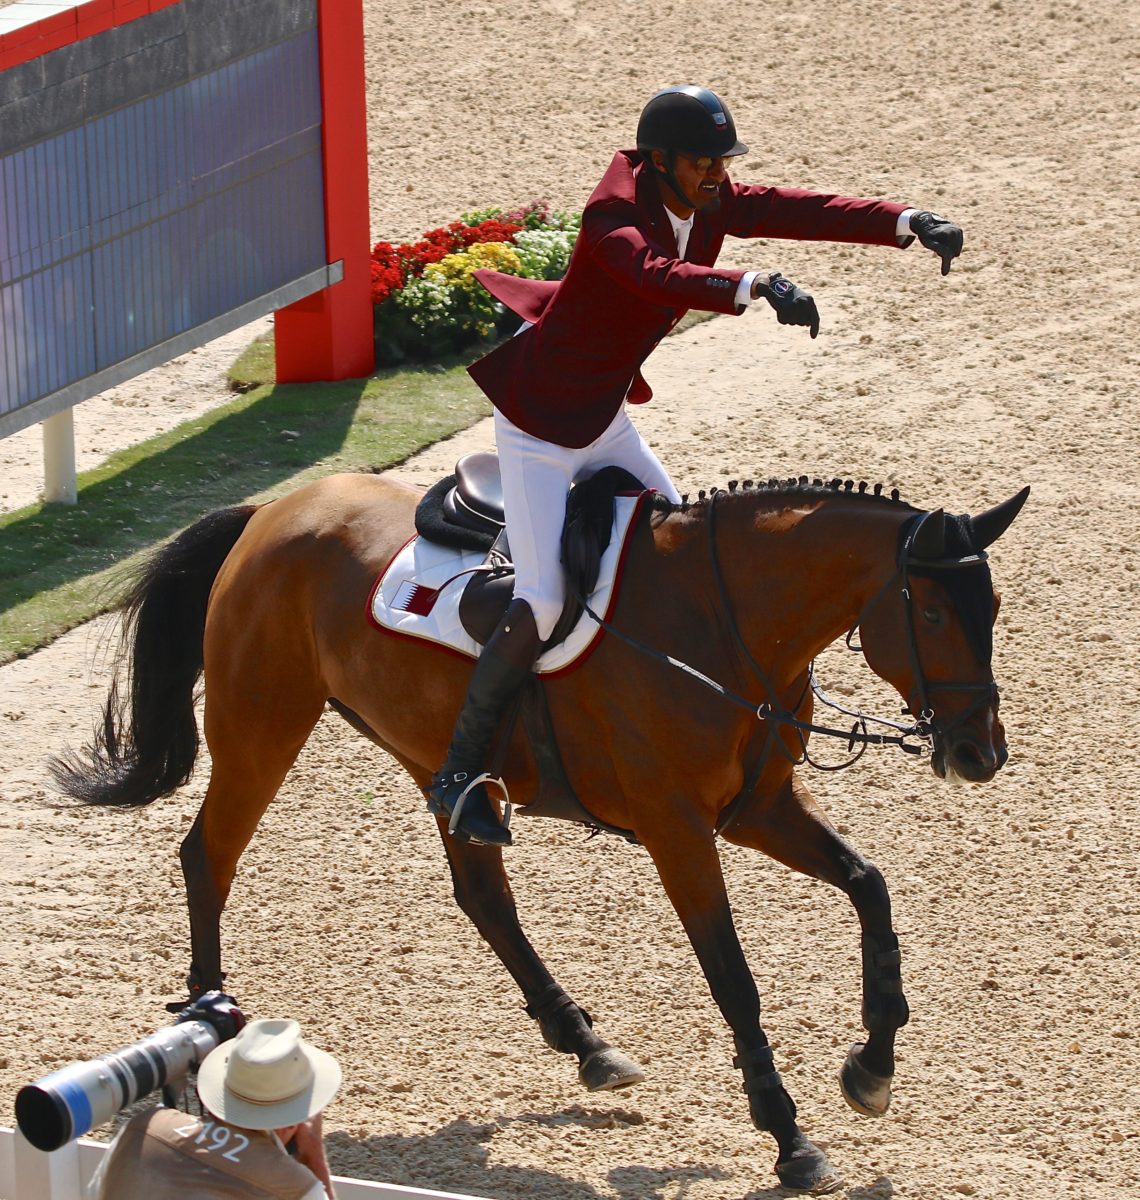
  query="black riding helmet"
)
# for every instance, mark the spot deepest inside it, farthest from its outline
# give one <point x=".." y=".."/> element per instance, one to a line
<point x="691" y="120"/>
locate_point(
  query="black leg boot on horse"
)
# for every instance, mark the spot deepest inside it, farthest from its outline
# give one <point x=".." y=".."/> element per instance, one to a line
<point x="457" y="790"/>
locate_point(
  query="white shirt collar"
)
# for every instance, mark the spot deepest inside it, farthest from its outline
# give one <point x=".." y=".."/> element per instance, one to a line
<point x="681" y="229"/>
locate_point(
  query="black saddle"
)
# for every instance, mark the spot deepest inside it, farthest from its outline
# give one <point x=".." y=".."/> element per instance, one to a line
<point x="465" y="511"/>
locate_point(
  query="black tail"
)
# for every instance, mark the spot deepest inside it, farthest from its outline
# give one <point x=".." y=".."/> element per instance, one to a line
<point x="149" y="740"/>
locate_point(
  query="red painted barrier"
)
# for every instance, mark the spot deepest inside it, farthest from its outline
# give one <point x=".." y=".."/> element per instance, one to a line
<point x="329" y="335"/>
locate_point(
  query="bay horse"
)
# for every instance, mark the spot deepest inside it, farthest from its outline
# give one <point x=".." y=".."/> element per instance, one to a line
<point x="724" y="604"/>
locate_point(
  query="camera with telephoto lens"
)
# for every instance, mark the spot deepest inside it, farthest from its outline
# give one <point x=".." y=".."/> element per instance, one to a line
<point x="71" y="1101"/>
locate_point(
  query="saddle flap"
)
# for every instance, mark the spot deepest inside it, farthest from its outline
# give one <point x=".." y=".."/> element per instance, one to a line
<point x="483" y="602"/>
<point x="488" y="592"/>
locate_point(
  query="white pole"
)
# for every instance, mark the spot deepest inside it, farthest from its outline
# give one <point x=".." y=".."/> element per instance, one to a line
<point x="59" y="458"/>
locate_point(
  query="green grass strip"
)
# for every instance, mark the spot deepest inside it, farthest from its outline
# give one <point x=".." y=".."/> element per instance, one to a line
<point x="60" y="565"/>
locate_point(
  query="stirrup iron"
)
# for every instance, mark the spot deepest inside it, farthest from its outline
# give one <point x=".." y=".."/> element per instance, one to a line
<point x="483" y="778"/>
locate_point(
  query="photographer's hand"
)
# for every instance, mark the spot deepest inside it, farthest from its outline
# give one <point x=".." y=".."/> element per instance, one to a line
<point x="937" y="234"/>
<point x="793" y="305"/>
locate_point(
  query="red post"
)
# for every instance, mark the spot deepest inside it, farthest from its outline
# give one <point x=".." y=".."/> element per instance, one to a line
<point x="328" y="335"/>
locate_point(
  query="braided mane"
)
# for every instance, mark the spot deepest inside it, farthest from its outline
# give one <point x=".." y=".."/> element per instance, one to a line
<point x="971" y="591"/>
<point x="793" y="488"/>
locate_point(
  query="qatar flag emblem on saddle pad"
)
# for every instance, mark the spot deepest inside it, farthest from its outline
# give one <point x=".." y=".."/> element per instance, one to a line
<point x="418" y="594"/>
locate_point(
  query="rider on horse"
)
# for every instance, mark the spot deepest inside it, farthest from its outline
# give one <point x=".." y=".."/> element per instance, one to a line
<point x="651" y="232"/>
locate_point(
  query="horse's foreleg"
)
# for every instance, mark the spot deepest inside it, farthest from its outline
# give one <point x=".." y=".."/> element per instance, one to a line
<point x="483" y="892"/>
<point x="795" y="830"/>
<point x="690" y="871"/>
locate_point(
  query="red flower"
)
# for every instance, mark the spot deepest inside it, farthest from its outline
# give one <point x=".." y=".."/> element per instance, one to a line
<point x="492" y="230"/>
<point x="393" y="266"/>
<point x="386" y="273"/>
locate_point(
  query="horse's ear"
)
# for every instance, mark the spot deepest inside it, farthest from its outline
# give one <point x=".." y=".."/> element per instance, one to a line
<point x="990" y="525"/>
<point x="930" y="536"/>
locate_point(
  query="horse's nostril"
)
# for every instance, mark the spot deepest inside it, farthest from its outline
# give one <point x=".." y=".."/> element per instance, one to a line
<point x="974" y="761"/>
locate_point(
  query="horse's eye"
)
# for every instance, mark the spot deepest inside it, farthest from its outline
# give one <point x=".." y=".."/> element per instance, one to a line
<point x="933" y="615"/>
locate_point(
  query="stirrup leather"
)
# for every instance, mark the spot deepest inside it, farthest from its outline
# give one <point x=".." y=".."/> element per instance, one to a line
<point x="484" y="777"/>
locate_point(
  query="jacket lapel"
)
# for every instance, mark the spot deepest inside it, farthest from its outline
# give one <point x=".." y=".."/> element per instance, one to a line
<point x="649" y="201"/>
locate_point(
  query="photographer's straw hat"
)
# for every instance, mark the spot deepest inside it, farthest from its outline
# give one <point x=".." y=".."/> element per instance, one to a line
<point x="267" y="1077"/>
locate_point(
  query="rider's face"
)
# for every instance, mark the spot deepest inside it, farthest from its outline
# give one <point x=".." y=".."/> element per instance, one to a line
<point x="698" y="179"/>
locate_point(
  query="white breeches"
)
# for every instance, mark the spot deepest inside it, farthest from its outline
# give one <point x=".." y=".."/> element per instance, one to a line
<point x="536" y="478"/>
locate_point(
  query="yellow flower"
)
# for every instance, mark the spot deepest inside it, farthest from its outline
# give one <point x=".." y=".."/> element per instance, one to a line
<point x="456" y="270"/>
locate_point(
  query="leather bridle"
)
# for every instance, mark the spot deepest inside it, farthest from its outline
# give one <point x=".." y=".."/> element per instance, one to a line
<point x="927" y="712"/>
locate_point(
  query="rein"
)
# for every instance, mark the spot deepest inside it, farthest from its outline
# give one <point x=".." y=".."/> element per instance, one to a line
<point x="771" y="710"/>
<point x="916" y="738"/>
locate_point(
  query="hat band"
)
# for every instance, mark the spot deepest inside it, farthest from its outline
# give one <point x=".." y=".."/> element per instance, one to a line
<point x="278" y="1100"/>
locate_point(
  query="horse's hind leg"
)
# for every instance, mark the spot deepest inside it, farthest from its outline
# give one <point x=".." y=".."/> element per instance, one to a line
<point x="252" y="746"/>
<point x="794" y="829"/>
<point x="483" y="892"/>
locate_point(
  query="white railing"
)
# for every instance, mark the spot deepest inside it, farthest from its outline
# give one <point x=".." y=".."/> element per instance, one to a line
<point x="29" y="1174"/>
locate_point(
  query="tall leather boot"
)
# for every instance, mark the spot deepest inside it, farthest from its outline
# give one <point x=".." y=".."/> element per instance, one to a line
<point x="456" y="790"/>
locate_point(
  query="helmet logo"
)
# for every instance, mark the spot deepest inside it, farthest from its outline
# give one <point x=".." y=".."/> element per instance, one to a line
<point x="719" y="118"/>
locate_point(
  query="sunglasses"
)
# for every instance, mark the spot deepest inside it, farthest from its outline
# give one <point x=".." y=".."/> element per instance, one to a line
<point x="706" y="163"/>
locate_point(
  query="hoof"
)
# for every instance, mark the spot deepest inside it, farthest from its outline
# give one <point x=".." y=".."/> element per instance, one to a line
<point x="608" y="1070"/>
<point x="809" y="1171"/>
<point x="866" y="1093"/>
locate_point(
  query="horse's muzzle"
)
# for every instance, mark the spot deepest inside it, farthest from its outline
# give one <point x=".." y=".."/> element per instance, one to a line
<point x="963" y="756"/>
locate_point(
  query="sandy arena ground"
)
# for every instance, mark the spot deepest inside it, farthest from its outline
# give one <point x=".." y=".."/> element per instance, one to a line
<point x="1017" y="903"/>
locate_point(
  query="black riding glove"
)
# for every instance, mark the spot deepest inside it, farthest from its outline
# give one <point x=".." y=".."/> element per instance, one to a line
<point x="939" y="235"/>
<point x="793" y="305"/>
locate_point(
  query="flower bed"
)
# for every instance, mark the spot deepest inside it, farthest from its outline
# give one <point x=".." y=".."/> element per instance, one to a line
<point x="427" y="304"/>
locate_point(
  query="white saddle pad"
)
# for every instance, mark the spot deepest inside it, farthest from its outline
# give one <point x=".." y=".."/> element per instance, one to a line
<point x="418" y="593"/>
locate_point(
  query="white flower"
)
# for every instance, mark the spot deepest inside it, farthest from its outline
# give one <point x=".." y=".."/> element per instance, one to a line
<point x="544" y="253"/>
<point x="426" y="301"/>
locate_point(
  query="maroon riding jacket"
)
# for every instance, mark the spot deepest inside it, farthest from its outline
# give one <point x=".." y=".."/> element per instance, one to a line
<point x="564" y="379"/>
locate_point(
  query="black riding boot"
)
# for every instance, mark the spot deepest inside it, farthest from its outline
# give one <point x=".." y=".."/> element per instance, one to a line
<point x="500" y="671"/>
